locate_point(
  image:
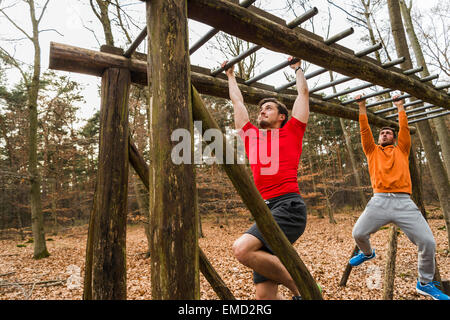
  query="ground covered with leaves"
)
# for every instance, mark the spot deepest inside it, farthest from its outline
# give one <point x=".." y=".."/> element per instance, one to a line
<point x="324" y="248"/>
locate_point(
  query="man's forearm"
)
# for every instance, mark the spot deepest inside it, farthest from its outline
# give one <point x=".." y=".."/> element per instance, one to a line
<point x="302" y="85"/>
<point x="234" y="91"/>
<point x="300" y="110"/>
<point x="240" y="111"/>
<point x="404" y="137"/>
<point x="362" y="107"/>
<point x="367" y="141"/>
<point x="362" y="110"/>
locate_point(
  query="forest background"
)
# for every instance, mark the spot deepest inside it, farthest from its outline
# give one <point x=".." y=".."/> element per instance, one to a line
<point x="56" y="166"/>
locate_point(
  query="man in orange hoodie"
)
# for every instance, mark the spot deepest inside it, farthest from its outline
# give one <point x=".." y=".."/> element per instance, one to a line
<point x="391" y="203"/>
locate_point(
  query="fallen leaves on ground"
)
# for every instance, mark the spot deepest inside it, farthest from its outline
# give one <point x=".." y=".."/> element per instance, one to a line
<point x="324" y="248"/>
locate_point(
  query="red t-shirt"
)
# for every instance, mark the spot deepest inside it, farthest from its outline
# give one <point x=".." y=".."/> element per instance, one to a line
<point x="274" y="169"/>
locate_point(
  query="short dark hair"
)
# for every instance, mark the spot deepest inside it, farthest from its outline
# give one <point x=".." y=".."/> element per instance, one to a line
<point x="281" y="108"/>
<point x="389" y="128"/>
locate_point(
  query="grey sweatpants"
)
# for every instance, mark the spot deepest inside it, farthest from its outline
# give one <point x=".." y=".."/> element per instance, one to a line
<point x="398" y="208"/>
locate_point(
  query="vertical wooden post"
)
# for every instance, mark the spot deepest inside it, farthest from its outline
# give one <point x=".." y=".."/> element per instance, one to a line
<point x="110" y="199"/>
<point x="348" y="268"/>
<point x="173" y="223"/>
<point x="389" y="270"/>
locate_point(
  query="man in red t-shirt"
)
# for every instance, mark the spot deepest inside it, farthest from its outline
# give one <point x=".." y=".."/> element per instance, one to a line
<point x="274" y="153"/>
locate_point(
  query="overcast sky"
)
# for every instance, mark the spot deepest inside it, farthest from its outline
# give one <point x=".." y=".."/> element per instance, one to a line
<point x="71" y="17"/>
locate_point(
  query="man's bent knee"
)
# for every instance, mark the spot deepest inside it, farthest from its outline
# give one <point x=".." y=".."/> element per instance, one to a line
<point x="359" y="236"/>
<point x="244" y="246"/>
<point x="239" y="251"/>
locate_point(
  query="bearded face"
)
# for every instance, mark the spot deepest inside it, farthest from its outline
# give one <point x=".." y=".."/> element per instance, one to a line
<point x="269" y="116"/>
<point x="386" y="138"/>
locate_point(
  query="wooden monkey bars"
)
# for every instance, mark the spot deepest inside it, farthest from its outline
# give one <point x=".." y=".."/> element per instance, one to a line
<point x="176" y="257"/>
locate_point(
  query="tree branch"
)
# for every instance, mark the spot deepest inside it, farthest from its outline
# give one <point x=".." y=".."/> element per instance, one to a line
<point x="42" y="12"/>
<point x="12" y="61"/>
<point x="95" y="12"/>
<point x="348" y="13"/>
<point x="52" y="30"/>
<point x="380" y="37"/>
<point x="93" y="32"/>
<point x="15" y="25"/>
<point x="119" y="17"/>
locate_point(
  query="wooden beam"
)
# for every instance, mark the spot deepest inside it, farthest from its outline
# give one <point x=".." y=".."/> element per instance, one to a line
<point x="259" y="210"/>
<point x="74" y="59"/>
<point x="91" y="62"/>
<point x="248" y="26"/>
<point x="173" y="220"/>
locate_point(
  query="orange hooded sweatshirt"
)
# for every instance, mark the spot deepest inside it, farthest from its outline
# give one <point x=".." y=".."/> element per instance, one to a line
<point x="388" y="166"/>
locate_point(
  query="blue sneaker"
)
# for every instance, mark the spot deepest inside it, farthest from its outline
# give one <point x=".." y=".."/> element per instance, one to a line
<point x="429" y="289"/>
<point x="360" y="258"/>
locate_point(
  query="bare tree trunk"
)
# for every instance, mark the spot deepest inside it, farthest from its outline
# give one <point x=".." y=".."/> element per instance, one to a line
<point x="416" y="179"/>
<point x="19" y="223"/>
<point x="174" y="225"/>
<point x="367" y="14"/>
<point x="351" y="155"/>
<point x="54" y="205"/>
<point x="200" y="227"/>
<point x="13" y="167"/>
<point x="328" y="206"/>
<point x="37" y="218"/>
<point x="103" y="17"/>
<point x="330" y="210"/>
<point x="320" y="212"/>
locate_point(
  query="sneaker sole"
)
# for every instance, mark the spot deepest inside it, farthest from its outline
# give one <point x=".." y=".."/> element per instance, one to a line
<point x="425" y="293"/>
<point x="355" y="265"/>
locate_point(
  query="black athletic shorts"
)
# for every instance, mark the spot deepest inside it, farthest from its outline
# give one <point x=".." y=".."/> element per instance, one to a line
<point x="289" y="211"/>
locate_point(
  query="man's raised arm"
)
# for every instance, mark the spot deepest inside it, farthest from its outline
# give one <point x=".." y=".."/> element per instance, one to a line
<point x="404" y="137"/>
<point x="240" y="111"/>
<point x="300" y="110"/>
<point x="367" y="141"/>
